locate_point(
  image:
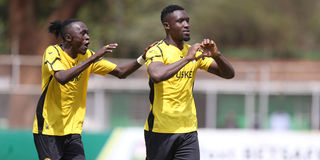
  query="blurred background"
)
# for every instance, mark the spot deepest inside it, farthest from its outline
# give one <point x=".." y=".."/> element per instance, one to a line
<point x="273" y="46"/>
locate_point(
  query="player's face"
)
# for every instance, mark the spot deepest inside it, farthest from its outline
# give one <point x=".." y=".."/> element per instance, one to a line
<point x="179" y="26"/>
<point x="80" y="37"/>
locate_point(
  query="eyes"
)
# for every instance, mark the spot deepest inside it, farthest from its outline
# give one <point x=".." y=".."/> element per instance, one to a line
<point x="84" y="32"/>
<point x="181" y="20"/>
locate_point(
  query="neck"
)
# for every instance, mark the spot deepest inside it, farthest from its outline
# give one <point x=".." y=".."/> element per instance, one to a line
<point x="69" y="50"/>
<point x="177" y="43"/>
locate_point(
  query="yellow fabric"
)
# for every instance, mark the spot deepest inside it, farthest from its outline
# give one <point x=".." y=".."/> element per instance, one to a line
<point x="64" y="105"/>
<point x="173" y="104"/>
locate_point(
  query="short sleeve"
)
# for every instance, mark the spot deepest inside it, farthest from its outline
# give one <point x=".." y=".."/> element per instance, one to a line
<point x="205" y="62"/>
<point x="52" y="59"/>
<point x="102" y="66"/>
<point x="153" y="55"/>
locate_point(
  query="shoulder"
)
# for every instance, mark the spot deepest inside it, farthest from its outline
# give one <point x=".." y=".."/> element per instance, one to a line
<point x="158" y="48"/>
<point x="53" y="50"/>
<point x="90" y="52"/>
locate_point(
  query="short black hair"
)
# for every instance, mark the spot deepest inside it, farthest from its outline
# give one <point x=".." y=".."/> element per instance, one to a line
<point x="169" y="9"/>
<point x="59" y="27"/>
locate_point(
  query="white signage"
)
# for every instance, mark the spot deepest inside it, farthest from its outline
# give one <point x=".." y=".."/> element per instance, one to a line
<point x="128" y="144"/>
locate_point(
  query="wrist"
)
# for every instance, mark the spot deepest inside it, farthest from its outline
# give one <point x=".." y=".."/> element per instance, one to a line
<point x="141" y="60"/>
<point x="218" y="54"/>
<point x="188" y="59"/>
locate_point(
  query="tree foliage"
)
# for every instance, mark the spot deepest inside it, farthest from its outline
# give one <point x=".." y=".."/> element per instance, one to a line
<point x="245" y="29"/>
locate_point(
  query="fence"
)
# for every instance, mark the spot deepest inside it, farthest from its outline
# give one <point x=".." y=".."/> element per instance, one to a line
<point x="260" y="90"/>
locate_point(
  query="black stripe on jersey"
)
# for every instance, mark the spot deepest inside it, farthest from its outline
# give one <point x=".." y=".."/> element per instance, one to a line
<point x="164" y="42"/>
<point x="52" y="62"/>
<point x="151" y="58"/>
<point x="97" y="60"/>
<point x="160" y="50"/>
<point x="150" y="120"/>
<point x="39" y="110"/>
<point x="151" y="98"/>
<point x="151" y="94"/>
<point x="57" y="49"/>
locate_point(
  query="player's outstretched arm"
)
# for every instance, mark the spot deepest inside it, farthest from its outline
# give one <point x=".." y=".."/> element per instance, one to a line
<point x="220" y="66"/>
<point x="64" y="76"/>
<point x="125" y="70"/>
<point x="160" y="72"/>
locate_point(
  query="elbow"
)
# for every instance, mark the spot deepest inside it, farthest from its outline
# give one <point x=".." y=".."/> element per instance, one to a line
<point x="59" y="76"/>
<point x="122" y="75"/>
<point x="62" y="82"/>
<point x="156" y="78"/>
<point x="230" y="75"/>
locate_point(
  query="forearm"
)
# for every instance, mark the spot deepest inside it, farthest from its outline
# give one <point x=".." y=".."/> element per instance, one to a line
<point x="161" y="72"/>
<point x="126" y="70"/>
<point x="64" y="76"/>
<point x="225" y="68"/>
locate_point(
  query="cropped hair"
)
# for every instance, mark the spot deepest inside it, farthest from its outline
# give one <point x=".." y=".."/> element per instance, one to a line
<point x="59" y="27"/>
<point x="169" y="9"/>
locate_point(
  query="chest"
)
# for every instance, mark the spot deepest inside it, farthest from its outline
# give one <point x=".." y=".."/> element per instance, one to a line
<point x="187" y="72"/>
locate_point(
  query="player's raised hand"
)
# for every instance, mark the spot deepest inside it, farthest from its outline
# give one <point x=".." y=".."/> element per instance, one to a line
<point x="145" y="50"/>
<point x="106" y="49"/>
<point x="192" y="51"/>
<point x="209" y="48"/>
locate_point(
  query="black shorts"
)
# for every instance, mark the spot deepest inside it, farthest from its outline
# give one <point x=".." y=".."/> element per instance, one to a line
<point x="165" y="146"/>
<point x="59" y="147"/>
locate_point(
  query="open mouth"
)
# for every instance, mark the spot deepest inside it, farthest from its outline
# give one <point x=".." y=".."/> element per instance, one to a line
<point x="86" y="45"/>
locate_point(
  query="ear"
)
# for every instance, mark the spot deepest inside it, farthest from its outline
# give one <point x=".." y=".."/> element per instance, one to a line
<point x="68" y="37"/>
<point x="166" y="25"/>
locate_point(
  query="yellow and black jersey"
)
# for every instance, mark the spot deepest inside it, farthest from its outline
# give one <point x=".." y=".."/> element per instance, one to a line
<point x="61" y="108"/>
<point x="172" y="108"/>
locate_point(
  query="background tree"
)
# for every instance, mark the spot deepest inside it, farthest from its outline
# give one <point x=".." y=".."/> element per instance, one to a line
<point x="265" y="29"/>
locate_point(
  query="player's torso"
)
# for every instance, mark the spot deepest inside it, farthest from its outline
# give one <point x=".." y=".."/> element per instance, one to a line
<point x="181" y="84"/>
<point x="173" y="104"/>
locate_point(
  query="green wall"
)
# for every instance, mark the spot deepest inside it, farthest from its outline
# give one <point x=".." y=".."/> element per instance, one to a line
<point x="18" y="144"/>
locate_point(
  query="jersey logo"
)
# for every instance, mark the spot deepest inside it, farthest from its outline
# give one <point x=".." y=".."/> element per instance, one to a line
<point x="184" y="74"/>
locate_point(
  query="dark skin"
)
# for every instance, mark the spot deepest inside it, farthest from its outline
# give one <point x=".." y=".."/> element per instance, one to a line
<point x="177" y="29"/>
<point x="76" y="41"/>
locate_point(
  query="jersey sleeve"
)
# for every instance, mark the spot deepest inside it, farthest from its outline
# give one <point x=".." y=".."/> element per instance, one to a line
<point x="205" y="62"/>
<point x="153" y="55"/>
<point x="52" y="59"/>
<point x="102" y="66"/>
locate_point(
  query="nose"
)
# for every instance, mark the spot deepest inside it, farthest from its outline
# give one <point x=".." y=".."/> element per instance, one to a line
<point x="186" y="24"/>
<point x="86" y="37"/>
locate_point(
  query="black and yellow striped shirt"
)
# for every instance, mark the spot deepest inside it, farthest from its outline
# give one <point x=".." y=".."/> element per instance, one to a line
<point x="61" y="108"/>
<point x="172" y="108"/>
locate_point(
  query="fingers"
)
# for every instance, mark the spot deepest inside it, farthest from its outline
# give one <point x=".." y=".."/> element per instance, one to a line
<point x="111" y="46"/>
<point x="153" y="44"/>
<point x="207" y="43"/>
<point x="145" y="51"/>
